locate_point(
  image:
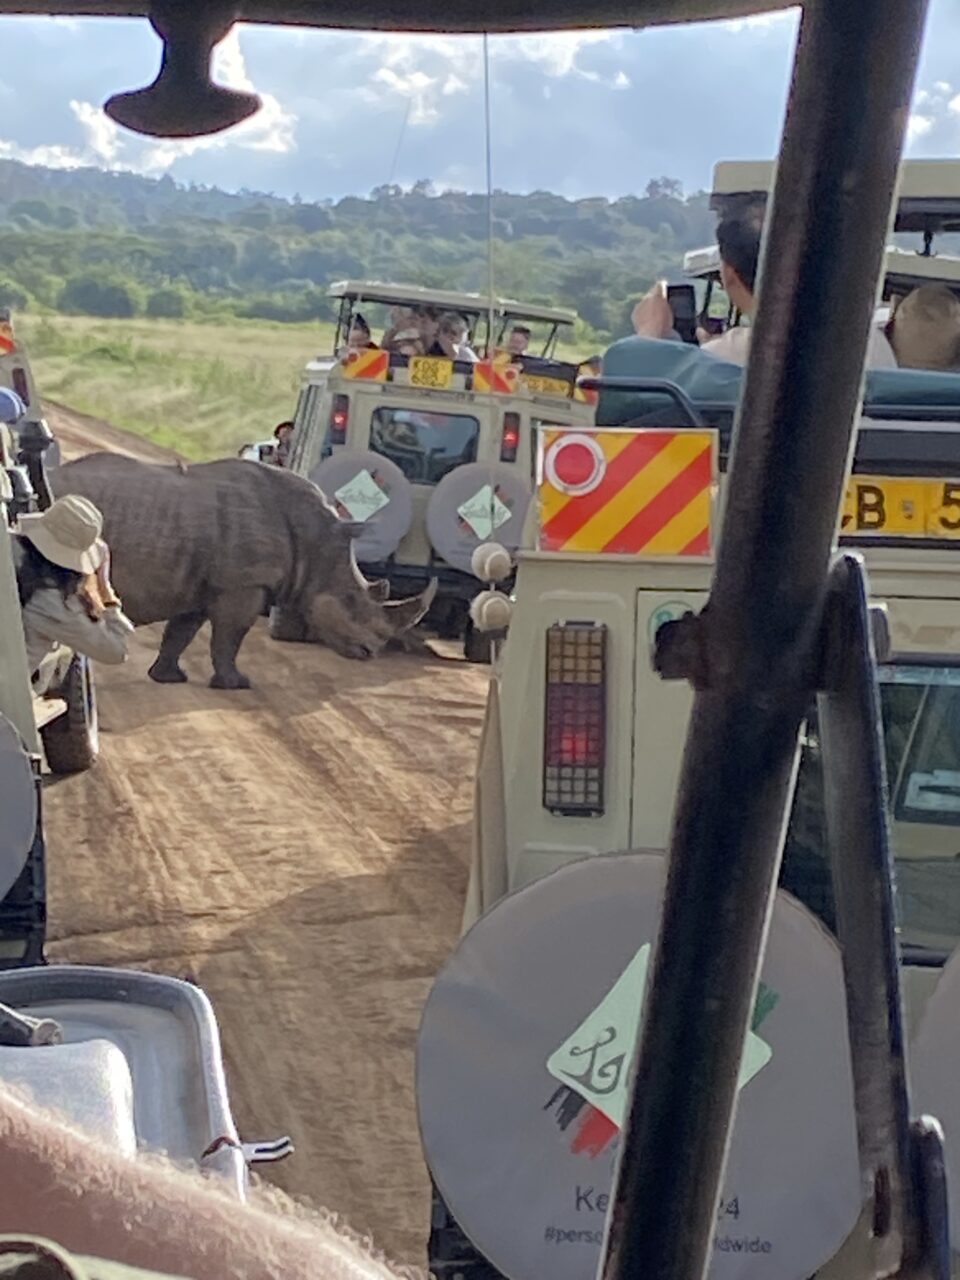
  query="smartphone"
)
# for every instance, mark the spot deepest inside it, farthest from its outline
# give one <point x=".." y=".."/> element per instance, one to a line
<point x="683" y="304"/>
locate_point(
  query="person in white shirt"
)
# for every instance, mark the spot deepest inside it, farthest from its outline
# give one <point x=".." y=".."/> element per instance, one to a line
<point x="63" y="579"/>
<point x="738" y="241"/>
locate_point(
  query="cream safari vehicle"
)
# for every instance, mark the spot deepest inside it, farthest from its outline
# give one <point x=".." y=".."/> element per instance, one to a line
<point x="928" y="205"/>
<point x="580" y="757"/>
<point x="434" y="457"/>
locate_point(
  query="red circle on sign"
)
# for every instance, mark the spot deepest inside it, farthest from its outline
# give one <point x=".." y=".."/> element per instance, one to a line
<point x="574" y="464"/>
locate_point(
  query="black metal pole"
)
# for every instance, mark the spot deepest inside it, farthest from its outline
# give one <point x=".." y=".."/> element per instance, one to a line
<point x="754" y="646"/>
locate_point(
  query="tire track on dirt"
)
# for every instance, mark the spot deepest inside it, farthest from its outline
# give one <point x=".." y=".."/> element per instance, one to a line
<point x="302" y="848"/>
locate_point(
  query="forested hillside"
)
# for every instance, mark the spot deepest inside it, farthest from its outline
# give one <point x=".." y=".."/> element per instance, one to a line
<point x="115" y="244"/>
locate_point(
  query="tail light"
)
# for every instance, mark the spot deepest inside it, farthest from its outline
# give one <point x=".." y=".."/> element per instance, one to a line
<point x="20" y="385"/>
<point x="339" y="419"/>
<point x="575" y="719"/>
<point x="510" y="437"/>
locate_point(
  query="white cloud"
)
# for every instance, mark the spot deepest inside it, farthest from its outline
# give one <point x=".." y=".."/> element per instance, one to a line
<point x="917" y="126"/>
<point x="106" y="145"/>
<point x="736" y="25"/>
<point x="621" y="80"/>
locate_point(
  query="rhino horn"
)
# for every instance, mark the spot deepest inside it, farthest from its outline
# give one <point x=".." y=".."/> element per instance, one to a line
<point x="404" y="614"/>
<point x="377" y="589"/>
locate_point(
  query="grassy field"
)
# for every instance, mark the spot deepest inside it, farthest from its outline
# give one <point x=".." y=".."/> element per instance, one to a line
<point x="203" y="389"/>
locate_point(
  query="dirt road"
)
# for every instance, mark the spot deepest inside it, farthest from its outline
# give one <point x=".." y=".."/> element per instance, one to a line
<point x="79" y="433"/>
<point x="302" y="849"/>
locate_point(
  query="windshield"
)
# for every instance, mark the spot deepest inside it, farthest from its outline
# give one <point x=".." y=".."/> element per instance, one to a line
<point x="424" y="445"/>
<point x="921" y="721"/>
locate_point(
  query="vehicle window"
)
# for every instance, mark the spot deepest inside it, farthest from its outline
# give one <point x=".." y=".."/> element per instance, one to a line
<point x="921" y="720"/>
<point x="424" y="445"/>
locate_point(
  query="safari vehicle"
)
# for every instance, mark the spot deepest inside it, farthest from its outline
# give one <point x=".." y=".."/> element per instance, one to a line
<point x="583" y="740"/>
<point x="62" y="691"/>
<point x="432" y="456"/>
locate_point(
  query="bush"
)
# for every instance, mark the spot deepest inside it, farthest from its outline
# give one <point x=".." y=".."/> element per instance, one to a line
<point x="95" y="296"/>
<point x="166" y="304"/>
<point x="13" y="296"/>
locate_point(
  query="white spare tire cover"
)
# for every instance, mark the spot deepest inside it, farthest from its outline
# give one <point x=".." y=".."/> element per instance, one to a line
<point x="473" y="504"/>
<point x="523" y="1057"/>
<point x="372" y="491"/>
<point x="18" y="805"/>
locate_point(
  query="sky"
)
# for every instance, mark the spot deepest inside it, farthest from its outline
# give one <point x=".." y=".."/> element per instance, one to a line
<point x="581" y="113"/>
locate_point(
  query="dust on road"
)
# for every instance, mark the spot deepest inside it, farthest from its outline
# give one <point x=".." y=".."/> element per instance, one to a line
<point x="300" y="848"/>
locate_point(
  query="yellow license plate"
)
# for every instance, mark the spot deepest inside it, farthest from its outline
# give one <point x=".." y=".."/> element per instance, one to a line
<point x="901" y="507"/>
<point x="430" y="371"/>
<point x="547" y="386"/>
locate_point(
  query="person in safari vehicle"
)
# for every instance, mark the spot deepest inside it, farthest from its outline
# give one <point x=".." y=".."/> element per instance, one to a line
<point x="451" y="340"/>
<point x="738" y="241"/>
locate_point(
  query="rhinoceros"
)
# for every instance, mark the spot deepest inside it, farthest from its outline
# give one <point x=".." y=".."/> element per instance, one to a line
<point x="218" y="541"/>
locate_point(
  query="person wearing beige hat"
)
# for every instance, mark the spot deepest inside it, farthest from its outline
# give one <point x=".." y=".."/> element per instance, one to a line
<point x="63" y="579"/>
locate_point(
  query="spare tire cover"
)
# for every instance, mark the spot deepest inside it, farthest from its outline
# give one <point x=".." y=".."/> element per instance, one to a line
<point x="523" y="1056"/>
<point x="373" y="491"/>
<point x="479" y="502"/>
<point x="18" y="805"/>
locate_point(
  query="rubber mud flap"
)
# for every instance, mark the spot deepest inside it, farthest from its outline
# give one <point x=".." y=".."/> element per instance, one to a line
<point x="523" y="1063"/>
<point x="18" y="806"/>
<point x="72" y="741"/>
<point x="372" y="491"/>
<point x="479" y="502"/>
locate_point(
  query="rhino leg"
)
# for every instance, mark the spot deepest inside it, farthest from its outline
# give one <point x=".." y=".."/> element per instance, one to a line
<point x="231" y="617"/>
<point x="177" y="634"/>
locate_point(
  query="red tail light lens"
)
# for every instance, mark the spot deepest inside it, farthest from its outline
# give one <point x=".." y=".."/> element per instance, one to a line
<point x="339" y="419"/>
<point x="575" y="719"/>
<point x="510" y="437"/>
<point x="20" y="385"/>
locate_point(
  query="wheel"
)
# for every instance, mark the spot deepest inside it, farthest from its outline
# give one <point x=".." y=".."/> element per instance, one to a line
<point x="477" y="645"/>
<point x="287" y="624"/>
<point x="449" y="619"/>
<point x="72" y="741"/>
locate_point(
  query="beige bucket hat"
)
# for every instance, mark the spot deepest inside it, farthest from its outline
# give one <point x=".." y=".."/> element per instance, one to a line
<point x="69" y="533"/>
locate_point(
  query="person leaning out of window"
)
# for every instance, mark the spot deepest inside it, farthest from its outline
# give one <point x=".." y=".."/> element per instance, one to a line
<point x="63" y="579"/>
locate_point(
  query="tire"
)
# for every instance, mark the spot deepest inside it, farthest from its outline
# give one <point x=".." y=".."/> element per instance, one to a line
<point x="477" y="645"/>
<point x="72" y="741"/>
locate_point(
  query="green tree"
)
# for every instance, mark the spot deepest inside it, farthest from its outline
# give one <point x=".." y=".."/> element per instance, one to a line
<point x="93" y="295"/>
<point x="167" y="304"/>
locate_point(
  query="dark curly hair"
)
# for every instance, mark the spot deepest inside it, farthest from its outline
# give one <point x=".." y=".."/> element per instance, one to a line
<point x="35" y="572"/>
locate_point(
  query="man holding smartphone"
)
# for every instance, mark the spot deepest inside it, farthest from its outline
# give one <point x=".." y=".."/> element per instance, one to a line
<point x="738" y="242"/>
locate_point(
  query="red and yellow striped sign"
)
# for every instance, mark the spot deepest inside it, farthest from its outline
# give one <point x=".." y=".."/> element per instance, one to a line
<point x="7" y="341"/>
<point x="493" y="375"/>
<point x="627" y="491"/>
<point x="371" y="364"/>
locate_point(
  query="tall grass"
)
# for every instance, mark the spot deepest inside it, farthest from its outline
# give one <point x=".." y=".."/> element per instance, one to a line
<point x="203" y="389"/>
